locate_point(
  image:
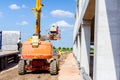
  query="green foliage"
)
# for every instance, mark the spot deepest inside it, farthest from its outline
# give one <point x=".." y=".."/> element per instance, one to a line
<point x="91" y="50"/>
<point x="54" y="47"/>
<point x="59" y="48"/>
<point x="71" y="49"/>
<point x="62" y="48"/>
<point x="67" y="49"/>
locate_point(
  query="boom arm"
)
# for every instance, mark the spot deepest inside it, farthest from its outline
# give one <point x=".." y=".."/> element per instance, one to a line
<point x="36" y="37"/>
<point x="38" y="16"/>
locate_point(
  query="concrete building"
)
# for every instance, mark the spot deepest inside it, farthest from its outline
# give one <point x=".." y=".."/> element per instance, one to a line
<point x="98" y="22"/>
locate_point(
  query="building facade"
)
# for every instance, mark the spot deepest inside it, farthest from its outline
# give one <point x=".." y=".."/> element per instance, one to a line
<point x="97" y="23"/>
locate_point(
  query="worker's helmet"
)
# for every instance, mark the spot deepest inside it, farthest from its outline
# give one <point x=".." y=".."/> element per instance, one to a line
<point x="53" y="25"/>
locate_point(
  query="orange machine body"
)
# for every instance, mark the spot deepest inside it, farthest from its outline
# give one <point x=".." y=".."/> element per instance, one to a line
<point x="43" y="51"/>
<point x="36" y="54"/>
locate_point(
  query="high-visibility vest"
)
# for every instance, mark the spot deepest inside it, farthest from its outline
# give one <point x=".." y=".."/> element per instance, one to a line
<point x="60" y="52"/>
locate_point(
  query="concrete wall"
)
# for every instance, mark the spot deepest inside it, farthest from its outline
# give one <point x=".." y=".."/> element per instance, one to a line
<point x="106" y="34"/>
<point x="107" y="40"/>
<point x="81" y="8"/>
<point x="9" y="40"/>
<point x="79" y="48"/>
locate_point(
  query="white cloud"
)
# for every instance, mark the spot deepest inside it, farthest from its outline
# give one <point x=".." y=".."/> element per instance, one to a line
<point x="62" y="13"/>
<point x="14" y="7"/>
<point x="1" y="14"/>
<point x="23" y="6"/>
<point x="23" y="23"/>
<point x="62" y="23"/>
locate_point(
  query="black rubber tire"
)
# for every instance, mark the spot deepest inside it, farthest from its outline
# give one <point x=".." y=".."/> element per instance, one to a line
<point x="21" y="67"/>
<point x="2" y="63"/>
<point x="16" y="58"/>
<point x="6" y="62"/>
<point x="53" y="67"/>
<point x="58" y="65"/>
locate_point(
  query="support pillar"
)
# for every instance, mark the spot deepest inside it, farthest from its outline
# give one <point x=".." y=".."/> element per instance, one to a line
<point x="75" y="49"/>
<point x="107" y="40"/>
<point x="79" y="47"/>
<point x="76" y="54"/>
<point x="85" y="46"/>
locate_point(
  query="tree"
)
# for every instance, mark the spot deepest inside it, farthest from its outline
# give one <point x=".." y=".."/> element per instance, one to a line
<point x="71" y="49"/>
<point x="59" y="48"/>
<point x="54" y="47"/>
<point x="67" y="49"/>
<point x="63" y="48"/>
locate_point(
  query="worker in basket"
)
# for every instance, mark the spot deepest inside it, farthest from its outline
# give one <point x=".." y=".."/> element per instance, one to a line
<point x="53" y="29"/>
<point x="54" y="32"/>
<point x="57" y="30"/>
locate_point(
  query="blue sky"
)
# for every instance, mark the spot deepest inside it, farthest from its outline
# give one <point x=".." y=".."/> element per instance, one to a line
<point x="16" y="15"/>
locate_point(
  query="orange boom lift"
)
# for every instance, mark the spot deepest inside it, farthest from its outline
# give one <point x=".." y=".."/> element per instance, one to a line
<point x="37" y="54"/>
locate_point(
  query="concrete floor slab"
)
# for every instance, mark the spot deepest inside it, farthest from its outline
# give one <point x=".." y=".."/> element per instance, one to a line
<point x="69" y="70"/>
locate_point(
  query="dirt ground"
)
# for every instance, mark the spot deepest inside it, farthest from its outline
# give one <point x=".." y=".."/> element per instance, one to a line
<point x="12" y="73"/>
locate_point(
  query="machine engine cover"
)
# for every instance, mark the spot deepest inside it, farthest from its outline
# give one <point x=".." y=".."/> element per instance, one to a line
<point x="43" y="51"/>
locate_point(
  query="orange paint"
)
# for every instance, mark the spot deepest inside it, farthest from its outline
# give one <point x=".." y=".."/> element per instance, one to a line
<point x="43" y="51"/>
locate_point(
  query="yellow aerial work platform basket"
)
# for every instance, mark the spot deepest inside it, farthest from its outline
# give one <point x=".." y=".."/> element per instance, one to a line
<point x="54" y="36"/>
